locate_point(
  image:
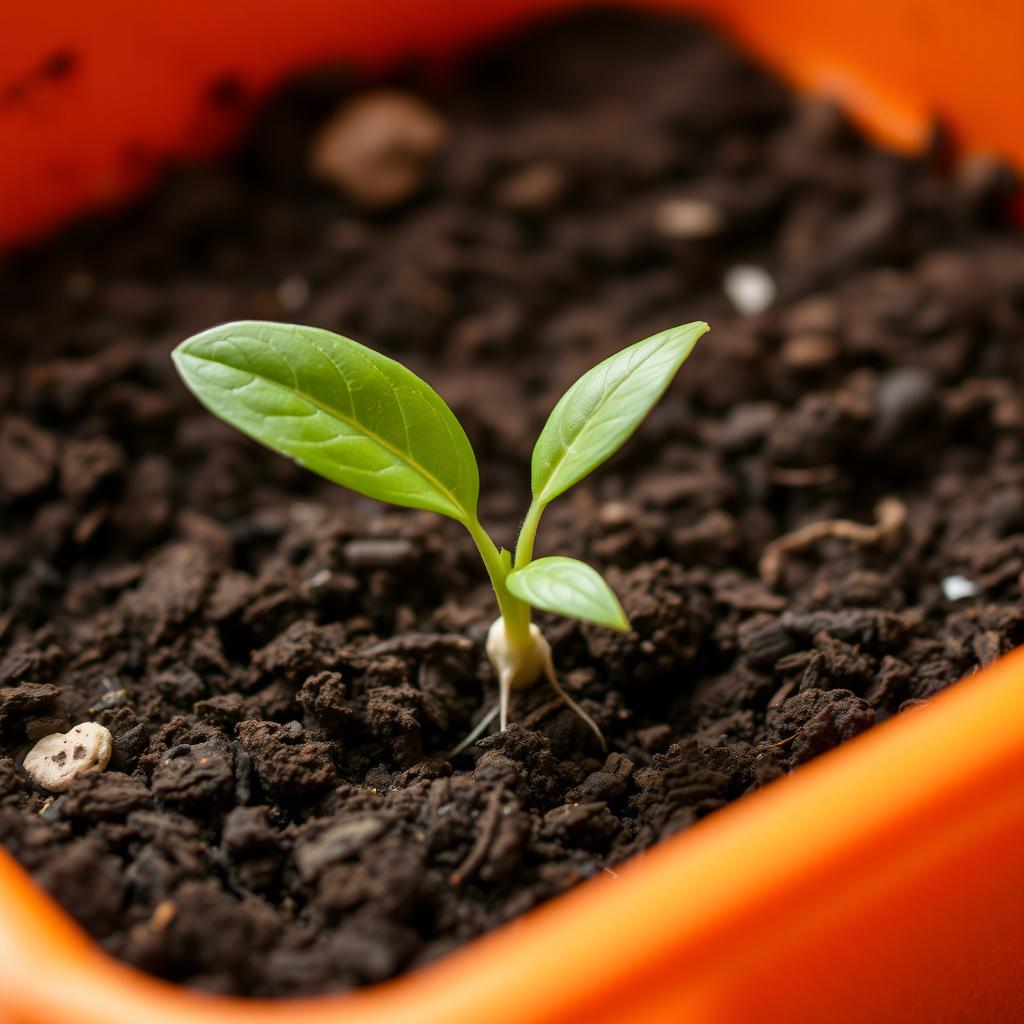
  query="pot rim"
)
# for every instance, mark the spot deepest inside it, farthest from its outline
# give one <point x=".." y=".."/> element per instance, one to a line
<point x="84" y="141"/>
<point x="687" y="920"/>
<point x="697" y="901"/>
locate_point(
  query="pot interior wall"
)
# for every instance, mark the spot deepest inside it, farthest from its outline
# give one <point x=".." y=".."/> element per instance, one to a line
<point x="95" y="99"/>
<point x="932" y="870"/>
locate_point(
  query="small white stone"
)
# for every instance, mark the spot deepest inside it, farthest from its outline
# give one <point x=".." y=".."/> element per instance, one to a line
<point x="956" y="588"/>
<point x="750" y="289"/>
<point x="687" y="218"/>
<point x="58" y="759"/>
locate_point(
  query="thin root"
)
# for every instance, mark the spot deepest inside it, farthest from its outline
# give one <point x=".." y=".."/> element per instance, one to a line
<point x="487" y="829"/>
<point x="505" y="689"/>
<point x="478" y="730"/>
<point x="890" y="513"/>
<point x="549" y="672"/>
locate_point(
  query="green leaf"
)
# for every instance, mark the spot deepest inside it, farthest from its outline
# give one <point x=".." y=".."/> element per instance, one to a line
<point x="600" y="412"/>
<point x="338" y="408"/>
<point x="568" y="587"/>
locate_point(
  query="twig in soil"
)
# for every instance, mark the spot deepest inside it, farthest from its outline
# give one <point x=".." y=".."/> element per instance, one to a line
<point x="485" y="836"/>
<point x="542" y="712"/>
<point x="890" y="514"/>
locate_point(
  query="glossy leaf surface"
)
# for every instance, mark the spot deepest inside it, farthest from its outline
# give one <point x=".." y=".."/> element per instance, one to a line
<point x="600" y="412"/>
<point x="338" y="408"/>
<point x="568" y="587"/>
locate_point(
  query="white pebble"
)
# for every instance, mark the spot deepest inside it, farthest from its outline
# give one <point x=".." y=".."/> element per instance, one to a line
<point x="750" y="289"/>
<point x="58" y="759"/>
<point x="956" y="588"/>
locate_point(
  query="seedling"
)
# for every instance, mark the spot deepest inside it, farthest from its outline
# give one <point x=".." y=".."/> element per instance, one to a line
<point x="364" y="421"/>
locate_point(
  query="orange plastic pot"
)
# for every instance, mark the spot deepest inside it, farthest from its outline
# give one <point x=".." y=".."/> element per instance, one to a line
<point x="883" y="882"/>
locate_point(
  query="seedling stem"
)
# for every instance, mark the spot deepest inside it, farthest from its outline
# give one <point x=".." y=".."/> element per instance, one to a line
<point x="366" y="422"/>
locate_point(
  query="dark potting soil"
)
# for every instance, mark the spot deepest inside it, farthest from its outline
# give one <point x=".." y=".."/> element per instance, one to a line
<point x="284" y="665"/>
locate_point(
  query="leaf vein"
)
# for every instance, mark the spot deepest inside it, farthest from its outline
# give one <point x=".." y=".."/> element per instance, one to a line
<point x="349" y="420"/>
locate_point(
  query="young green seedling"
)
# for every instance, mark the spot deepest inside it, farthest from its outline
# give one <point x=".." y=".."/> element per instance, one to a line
<point x="364" y="421"/>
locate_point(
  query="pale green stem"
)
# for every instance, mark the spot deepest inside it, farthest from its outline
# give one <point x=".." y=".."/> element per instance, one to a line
<point x="516" y="613"/>
<point x="528" y="534"/>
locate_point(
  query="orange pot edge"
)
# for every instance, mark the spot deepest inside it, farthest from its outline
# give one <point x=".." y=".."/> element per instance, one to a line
<point x="905" y="907"/>
<point x="894" y="860"/>
<point x="95" y="98"/>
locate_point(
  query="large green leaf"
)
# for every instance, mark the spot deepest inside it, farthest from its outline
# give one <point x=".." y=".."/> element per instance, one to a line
<point x="568" y="587"/>
<point x="599" y="413"/>
<point x="338" y="408"/>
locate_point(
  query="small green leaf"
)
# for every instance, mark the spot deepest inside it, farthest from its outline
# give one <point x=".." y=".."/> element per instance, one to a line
<point x="568" y="587"/>
<point x="338" y="408"/>
<point x="599" y="413"/>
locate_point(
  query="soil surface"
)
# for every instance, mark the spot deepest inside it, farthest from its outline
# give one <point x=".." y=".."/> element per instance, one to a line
<point x="284" y="665"/>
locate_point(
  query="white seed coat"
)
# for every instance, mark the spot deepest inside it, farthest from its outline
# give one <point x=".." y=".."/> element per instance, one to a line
<point x="516" y="668"/>
<point x="58" y="759"/>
